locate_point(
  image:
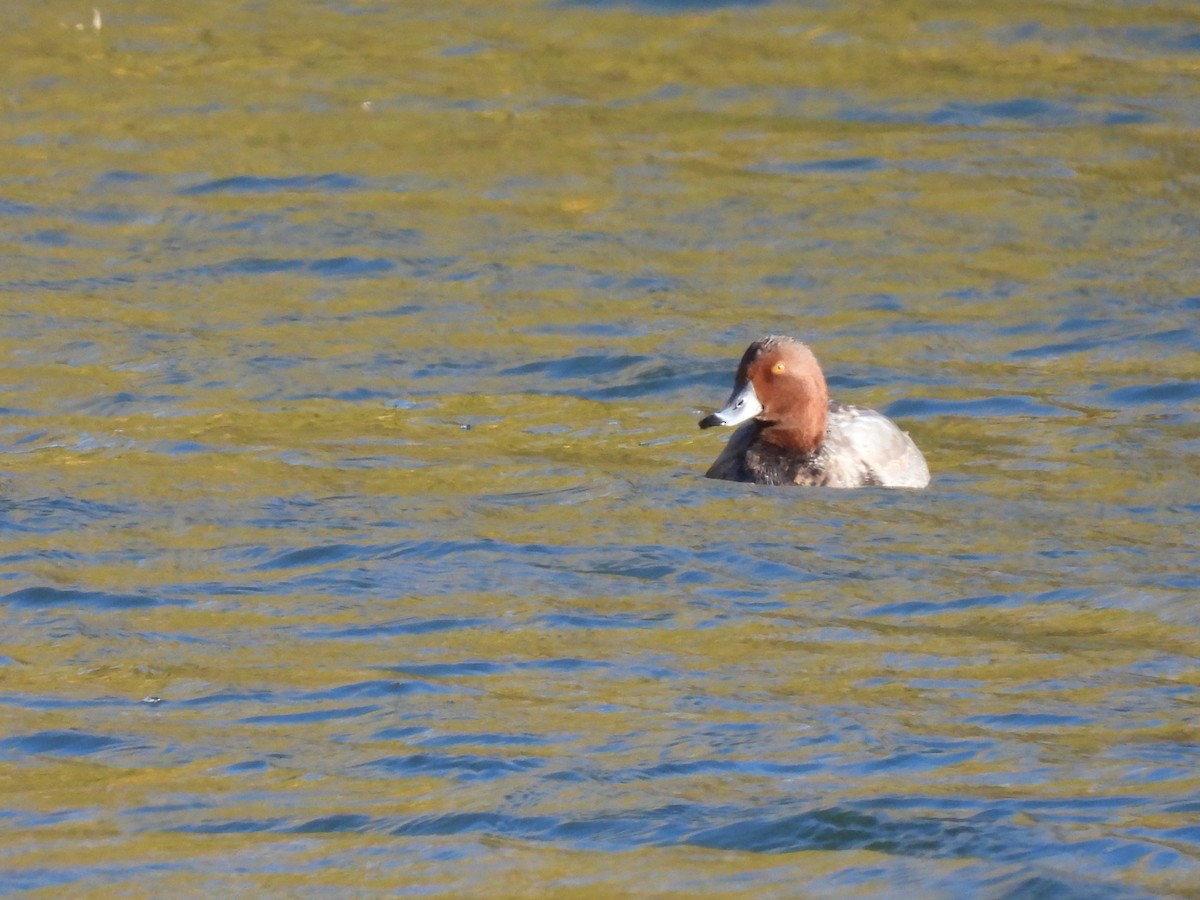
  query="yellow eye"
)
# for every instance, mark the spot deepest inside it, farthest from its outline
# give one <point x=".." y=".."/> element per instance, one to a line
<point x="778" y="368"/>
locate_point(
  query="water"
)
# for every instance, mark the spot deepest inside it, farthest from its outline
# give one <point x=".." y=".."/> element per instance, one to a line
<point x="354" y="535"/>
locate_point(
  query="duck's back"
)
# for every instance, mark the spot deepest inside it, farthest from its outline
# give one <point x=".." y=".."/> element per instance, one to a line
<point x="864" y="447"/>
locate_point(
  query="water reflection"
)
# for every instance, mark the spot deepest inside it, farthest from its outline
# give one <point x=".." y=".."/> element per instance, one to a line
<point x="355" y="526"/>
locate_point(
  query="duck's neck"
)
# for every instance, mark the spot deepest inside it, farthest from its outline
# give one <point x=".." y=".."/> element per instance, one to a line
<point x="804" y="436"/>
<point x="802" y="428"/>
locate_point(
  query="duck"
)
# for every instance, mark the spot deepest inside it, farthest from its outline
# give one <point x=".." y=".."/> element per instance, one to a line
<point x="792" y="433"/>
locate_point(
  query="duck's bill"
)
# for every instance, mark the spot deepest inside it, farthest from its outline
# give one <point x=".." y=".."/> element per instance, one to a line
<point x="742" y="406"/>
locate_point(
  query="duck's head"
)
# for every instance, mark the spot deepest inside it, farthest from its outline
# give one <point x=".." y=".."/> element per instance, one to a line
<point x="779" y="383"/>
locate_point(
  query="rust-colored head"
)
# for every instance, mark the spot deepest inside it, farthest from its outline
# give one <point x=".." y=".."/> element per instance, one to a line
<point x="779" y="383"/>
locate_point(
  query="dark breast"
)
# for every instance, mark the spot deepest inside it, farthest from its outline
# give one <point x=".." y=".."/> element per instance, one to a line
<point x="833" y="464"/>
<point x="747" y="457"/>
<point x="764" y="463"/>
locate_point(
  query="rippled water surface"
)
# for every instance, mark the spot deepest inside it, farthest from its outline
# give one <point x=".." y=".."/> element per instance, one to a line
<point x="354" y="535"/>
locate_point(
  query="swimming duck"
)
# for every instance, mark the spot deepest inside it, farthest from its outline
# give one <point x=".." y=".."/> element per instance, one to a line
<point x="794" y="434"/>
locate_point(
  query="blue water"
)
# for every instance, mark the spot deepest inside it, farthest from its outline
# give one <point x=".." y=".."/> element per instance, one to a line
<point x="355" y="538"/>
